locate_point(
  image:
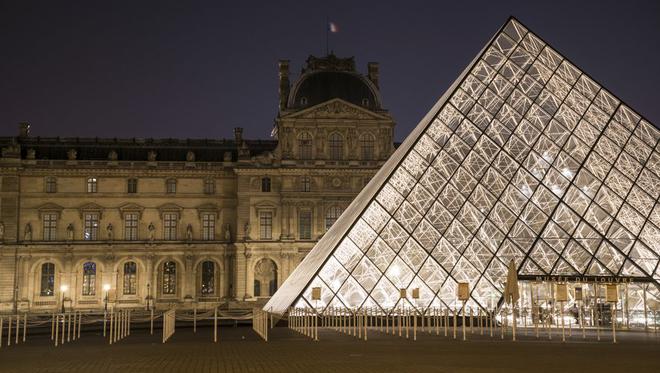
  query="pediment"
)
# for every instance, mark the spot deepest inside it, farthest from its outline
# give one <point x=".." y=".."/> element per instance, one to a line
<point x="336" y="109"/>
<point x="50" y="208"/>
<point x="169" y="207"/>
<point x="208" y="208"/>
<point x="130" y="207"/>
<point x="90" y="207"/>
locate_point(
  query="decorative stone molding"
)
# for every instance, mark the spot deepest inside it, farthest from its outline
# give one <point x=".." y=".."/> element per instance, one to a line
<point x="208" y="208"/>
<point x="50" y="208"/>
<point x="170" y="207"/>
<point x="130" y="208"/>
<point x="266" y="206"/>
<point x="90" y="208"/>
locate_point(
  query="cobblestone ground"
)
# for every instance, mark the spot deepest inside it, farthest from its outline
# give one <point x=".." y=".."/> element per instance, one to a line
<point x="240" y="350"/>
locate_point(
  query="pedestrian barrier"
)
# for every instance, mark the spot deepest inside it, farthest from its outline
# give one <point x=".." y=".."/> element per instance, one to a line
<point x="260" y="323"/>
<point x="169" y="321"/>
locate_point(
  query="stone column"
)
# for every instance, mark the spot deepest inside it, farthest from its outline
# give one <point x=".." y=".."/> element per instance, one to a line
<point x="239" y="266"/>
<point x="67" y="278"/>
<point x="149" y="277"/>
<point x="249" y="275"/>
<point x="190" y="277"/>
<point x="286" y="231"/>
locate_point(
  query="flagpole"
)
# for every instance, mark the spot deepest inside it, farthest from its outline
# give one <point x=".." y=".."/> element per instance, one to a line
<point x="327" y="27"/>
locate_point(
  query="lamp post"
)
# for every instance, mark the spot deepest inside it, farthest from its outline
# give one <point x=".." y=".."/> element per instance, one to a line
<point x="148" y="297"/>
<point x="106" y="288"/>
<point x="63" y="289"/>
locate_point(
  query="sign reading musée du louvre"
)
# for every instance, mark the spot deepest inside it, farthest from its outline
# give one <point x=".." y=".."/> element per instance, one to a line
<point x="525" y="158"/>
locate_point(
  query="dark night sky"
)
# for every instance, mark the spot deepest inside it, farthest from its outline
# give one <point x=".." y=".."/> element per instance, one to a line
<point x="165" y="69"/>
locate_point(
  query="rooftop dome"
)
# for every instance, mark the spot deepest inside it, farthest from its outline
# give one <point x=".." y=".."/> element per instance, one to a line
<point x="330" y="77"/>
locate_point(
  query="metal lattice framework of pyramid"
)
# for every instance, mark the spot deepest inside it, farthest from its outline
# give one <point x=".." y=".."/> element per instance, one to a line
<point x="525" y="157"/>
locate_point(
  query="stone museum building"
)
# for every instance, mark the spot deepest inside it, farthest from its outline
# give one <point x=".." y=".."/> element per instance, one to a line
<point x="142" y="222"/>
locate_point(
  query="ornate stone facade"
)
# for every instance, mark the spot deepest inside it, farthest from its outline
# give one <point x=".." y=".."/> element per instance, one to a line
<point x="148" y="222"/>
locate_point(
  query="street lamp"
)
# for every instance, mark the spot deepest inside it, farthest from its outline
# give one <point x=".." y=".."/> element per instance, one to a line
<point x="106" y="288"/>
<point x="148" y="297"/>
<point x="63" y="289"/>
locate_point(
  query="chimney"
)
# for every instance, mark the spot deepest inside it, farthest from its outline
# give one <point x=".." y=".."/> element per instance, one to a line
<point x="23" y="129"/>
<point x="284" y="83"/>
<point x="372" y="70"/>
<point x="238" y="135"/>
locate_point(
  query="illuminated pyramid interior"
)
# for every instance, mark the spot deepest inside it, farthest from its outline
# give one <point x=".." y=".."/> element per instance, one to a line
<point x="526" y="158"/>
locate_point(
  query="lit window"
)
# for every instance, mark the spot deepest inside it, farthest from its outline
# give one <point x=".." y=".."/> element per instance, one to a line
<point x="265" y="184"/>
<point x="336" y="146"/>
<point x="266" y="225"/>
<point x="367" y="146"/>
<point x="131" y="226"/>
<point x="305" y="145"/>
<point x="51" y="184"/>
<point x="331" y="216"/>
<point x="47" y="279"/>
<point x="169" y="225"/>
<point x="169" y="278"/>
<point x="208" y="278"/>
<point x="91" y="231"/>
<point x="132" y="185"/>
<point x="305" y="184"/>
<point x="92" y="185"/>
<point x="305" y="225"/>
<point x="170" y="186"/>
<point x="209" y="186"/>
<point x="89" y="279"/>
<point x="130" y="278"/>
<point x="208" y="227"/>
<point x="50" y="226"/>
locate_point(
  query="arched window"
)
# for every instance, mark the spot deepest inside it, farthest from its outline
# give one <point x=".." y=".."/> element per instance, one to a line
<point x="367" y="142"/>
<point x="169" y="278"/>
<point x="331" y="216"/>
<point x="130" y="278"/>
<point x="47" y="279"/>
<point x="305" y="145"/>
<point x="89" y="279"/>
<point x="336" y="144"/>
<point x="92" y="184"/>
<point x="265" y="272"/>
<point x="208" y="278"/>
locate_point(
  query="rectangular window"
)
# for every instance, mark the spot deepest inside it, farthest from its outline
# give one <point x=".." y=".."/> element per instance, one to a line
<point x="132" y="185"/>
<point x="305" y="184"/>
<point x="209" y="186"/>
<point x="91" y="231"/>
<point x="305" y="225"/>
<point x="131" y="226"/>
<point x="266" y="225"/>
<point x="50" y="226"/>
<point x="92" y="185"/>
<point x="265" y="184"/>
<point x="208" y="227"/>
<point x="170" y="186"/>
<point x="51" y="184"/>
<point x="169" y="224"/>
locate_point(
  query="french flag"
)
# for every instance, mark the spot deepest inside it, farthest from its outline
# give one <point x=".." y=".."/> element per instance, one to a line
<point x="332" y="27"/>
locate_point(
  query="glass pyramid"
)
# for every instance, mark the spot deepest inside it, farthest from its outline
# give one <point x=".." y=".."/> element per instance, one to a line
<point x="525" y="158"/>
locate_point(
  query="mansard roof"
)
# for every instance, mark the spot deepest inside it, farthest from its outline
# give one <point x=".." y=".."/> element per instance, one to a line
<point x="134" y="149"/>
